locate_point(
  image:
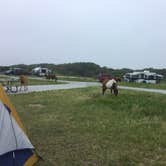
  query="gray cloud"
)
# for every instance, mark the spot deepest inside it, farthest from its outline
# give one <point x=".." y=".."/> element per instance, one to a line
<point x="121" y="33"/>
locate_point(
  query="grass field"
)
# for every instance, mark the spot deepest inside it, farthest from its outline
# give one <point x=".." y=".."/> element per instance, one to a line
<point x="161" y="85"/>
<point x="83" y="128"/>
<point x="32" y="81"/>
<point x="42" y="82"/>
<point x="74" y="78"/>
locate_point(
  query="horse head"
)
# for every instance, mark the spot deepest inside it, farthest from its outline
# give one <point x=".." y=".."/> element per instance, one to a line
<point x="117" y="79"/>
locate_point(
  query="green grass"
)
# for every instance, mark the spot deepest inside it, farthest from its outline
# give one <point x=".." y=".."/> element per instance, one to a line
<point x="32" y="81"/>
<point x="42" y="82"/>
<point x="82" y="127"/>
<point x="4" y="77"/>
<point x="161" y="85"/>
<point x="74" y="78"/>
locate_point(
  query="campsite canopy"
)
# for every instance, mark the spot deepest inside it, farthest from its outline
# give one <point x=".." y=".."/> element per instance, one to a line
<point x="15" y="147"/>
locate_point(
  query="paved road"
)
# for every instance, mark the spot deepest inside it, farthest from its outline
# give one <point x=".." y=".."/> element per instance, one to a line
<point x="74" y="84"/>
<point x="67" y="85"/>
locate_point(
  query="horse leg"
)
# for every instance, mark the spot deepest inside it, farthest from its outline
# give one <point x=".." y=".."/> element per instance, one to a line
<point x="111" y="90"/>
<point x="116" y="91"/>
<point x="104" y="89"/>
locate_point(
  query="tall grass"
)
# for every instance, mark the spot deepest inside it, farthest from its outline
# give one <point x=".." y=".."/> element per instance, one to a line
<point x="82" y="127"/>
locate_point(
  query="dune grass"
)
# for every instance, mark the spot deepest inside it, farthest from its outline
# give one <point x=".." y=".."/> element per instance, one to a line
<point x="82" y="127"/>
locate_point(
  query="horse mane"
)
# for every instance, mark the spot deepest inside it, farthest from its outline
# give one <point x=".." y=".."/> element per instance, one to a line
<point x="105" y="81"/>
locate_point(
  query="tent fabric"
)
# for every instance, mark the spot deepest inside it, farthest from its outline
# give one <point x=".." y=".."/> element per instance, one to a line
<point x="5" y="100"/>
<point x="15" y="147"/>
<point x="20" y="157"/>
<point x="12" y="136"/>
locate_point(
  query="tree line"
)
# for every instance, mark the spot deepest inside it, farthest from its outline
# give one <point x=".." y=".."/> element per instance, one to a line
<point x="84" y="69"/>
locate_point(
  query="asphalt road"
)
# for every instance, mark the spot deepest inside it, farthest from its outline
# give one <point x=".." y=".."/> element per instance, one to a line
<point x="74" y="84"/>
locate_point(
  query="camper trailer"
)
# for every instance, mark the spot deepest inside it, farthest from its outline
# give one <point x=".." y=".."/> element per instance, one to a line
<point x="39" y="71"/>
<point x="143" y="77"/>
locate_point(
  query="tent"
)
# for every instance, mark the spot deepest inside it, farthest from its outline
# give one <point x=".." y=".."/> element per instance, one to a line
<point x="15" y="147"/>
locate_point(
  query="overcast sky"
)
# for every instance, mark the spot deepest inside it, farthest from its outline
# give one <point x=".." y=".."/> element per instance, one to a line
<point x="112" y="33"/>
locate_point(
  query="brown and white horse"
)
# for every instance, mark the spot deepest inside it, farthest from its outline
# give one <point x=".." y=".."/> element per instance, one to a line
<point x="110" y="84"/>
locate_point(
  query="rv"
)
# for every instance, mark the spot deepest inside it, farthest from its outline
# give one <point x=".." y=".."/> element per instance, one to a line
<point x="39" y="71"/>
<point x="143" y="77"/>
